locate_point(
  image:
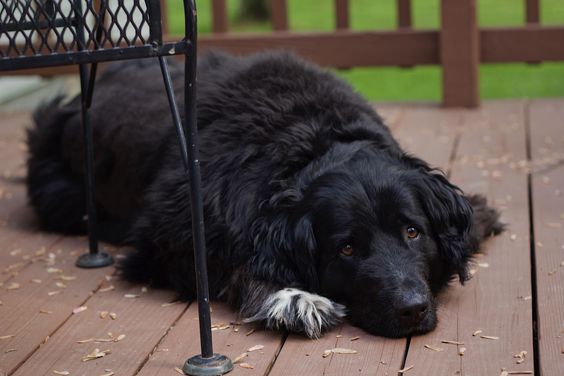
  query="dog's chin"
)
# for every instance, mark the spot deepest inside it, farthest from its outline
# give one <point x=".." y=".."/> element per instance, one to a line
<point x="392" y="328"/>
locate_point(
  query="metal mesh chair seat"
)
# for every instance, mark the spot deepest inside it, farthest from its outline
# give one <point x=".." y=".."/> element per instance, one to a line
<point x="40" y="33"/>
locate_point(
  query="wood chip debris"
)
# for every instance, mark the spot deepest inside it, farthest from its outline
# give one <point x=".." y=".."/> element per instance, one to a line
<point x="9" y="351"/>
<point x="77" y="310"/>
<point x="250" y="332"/>
<point x="106" y="289"/>
<point x="513" y="237"/>
<point x="255" y="348"/>
<point x="178" y="370"/>
<point x="479" y="331"/>
<point x="461" y="350"/>
<point x="489" y="337"/>
<point x="246" y="365"/>
<point x="7" y="336"/>
<point x="405" y="369"/>
<point x="452" y="342"/>
<point x="61" y="372"/>
<point x="60" y="285"/>
<point x="35" y="280"/>
<point x="96" y="354"/>
<point x="338" y="350"/>
<point x="430" y="347"/>
<point x="113" y="315"/>
<point x="100" y="340"/>
<point x="240" y="357"/>
<point x="506" y="373"/>
<point x="46" y="312"/>
<point x="354" y="338"/>
<point x="131" y="296"/>
<point x="13" y="286"/>
<point x="111" y="373"/>
<point x="67" y="277"/>
<point x="520" y="356"/>
<point x="104" y="314"/>
<point x="52" y="293"/>
<point x="528" y="297"/>
<point x="54" y="270"/>
<point x="483" y="265"/>
<point x="220" y="326"/>
<point x="169" y="304"/>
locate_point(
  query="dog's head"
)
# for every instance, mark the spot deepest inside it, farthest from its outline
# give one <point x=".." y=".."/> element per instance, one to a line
<point x="379" y="236"/>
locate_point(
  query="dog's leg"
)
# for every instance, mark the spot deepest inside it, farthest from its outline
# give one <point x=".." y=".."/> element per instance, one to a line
<point x="298" y="311"/>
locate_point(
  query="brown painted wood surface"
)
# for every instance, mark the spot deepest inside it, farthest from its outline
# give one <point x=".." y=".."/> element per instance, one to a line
<point x="220" y="22"/>
<point x="546" y="128"/>
<point x="230" y="338"/>
<point x="485" y="151"/>
<point x="279" y="14"/>
<point x="404" y="13"/>
<point x="497" y="300"/>
<point x="459" y="53"/>
<point x="532" y="11"/>
<point x="342" y="14"/>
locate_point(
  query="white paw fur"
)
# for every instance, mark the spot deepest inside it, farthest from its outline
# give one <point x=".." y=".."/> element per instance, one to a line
<point x="299" y="311"/>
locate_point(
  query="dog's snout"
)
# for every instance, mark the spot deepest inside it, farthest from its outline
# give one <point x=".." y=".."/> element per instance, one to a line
<point x="411" y="311"/>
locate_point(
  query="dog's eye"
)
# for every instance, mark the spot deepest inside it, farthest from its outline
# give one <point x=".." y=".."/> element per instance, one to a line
<point x="412" y="232"/>
<point x="347" y="250"/>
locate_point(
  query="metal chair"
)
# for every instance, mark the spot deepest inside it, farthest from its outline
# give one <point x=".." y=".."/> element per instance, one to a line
<point x="43" y="33"/>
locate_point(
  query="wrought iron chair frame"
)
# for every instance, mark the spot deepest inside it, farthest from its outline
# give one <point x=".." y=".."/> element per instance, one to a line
<point x="51" y="18"/>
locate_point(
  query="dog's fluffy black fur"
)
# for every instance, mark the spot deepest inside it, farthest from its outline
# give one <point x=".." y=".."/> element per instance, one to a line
<point x="312" y="210"/>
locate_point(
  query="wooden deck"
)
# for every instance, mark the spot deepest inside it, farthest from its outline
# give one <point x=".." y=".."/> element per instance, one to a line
<point x="512" y="151"/>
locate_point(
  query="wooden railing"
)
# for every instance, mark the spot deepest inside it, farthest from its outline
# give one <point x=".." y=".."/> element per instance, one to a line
<point x="459" y="46"/>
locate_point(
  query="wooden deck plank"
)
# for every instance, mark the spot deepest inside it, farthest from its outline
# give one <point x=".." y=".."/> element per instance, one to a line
<point x="183" y="342"/>
<point x="547" y="152"/>
<point x="143" y="320"/>
<point x="375" y="355"/>
<point x="493" y="139"/>
<point x="21" y="307"/>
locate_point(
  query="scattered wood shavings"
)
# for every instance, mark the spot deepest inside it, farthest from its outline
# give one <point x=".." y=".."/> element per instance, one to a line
<point x="144" y="289"/>
<point x="461" y="350"/>
<point x="404" y="370"/>
<point x="483" y="265"/>
<point x="77" y="310"/>
<point x="528" y="297"/>
<point x="9" y="351"/>
<point x="430" y="347"/>
<point x="338" y="350"/>
<point x="520" y="356"/>
<point x="513" y="237"/>
<point x="119" y="338"/>
<point x="104" y="314"/>
<point x="111" y="373"/>
<point x="178" y="370"/>
<point x="489" y="337"/>
<point x="44" y="311"/>
<point x="240" y="357"/>
<point x="250" y="332"/>
<point x="13" y="286"/>
<point x="338" y="336"/>
<point x="554" y="224"/>
<point x="95" y="355"/>
<point x="106" y="289"/>
<point x="7" y="336"/>
<point x="67" y="278"/>
<point x="169" y="304"/>
<point x="452" y="342"/>
<point x="355" y="338"/>
<point x="479" y="331"/>
<point x="131" y="296"/>
<point x="255" y="348"/>
<point x="246" y="365"/>
<point x="52" y="293"/>
<point x="220" y="326"/>
<point x="61" y="372"/>
<point x="113" y="315"/>
<point x="54" y="270"/>
<point x="35" y="280"/>
<point x="61" y="285"/>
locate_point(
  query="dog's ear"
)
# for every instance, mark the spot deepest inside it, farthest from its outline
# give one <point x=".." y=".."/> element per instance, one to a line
<point x="284" y="244"/>
<point x="450" y="215"/>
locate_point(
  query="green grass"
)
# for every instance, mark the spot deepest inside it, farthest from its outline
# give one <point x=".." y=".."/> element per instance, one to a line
<point x="419" y="83"/>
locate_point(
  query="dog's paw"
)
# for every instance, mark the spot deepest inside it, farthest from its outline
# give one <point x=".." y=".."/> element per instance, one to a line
<point x="299" y="311"/>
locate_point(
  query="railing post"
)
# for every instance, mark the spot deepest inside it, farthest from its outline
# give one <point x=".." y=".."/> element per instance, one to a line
<point x="532" y="11"/>
<point x="220" y="23"/>
<point x="279" y="14"/>
<point x="342" y="14"/>
<point x="460" y="53"/>
<point x="404" y="14"/>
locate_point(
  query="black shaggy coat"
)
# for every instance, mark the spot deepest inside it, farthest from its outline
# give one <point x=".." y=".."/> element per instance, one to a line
<point x="312" y="210"/>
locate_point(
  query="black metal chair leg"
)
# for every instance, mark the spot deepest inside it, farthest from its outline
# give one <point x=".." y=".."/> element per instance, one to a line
<point x="94" y="258"/>
<point x="207" y="363"/>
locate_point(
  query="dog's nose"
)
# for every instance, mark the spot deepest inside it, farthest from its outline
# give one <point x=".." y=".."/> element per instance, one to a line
<point x="412" y="311"/>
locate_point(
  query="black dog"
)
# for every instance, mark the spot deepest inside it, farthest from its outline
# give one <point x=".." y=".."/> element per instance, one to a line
<point x="312" y="210"/>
